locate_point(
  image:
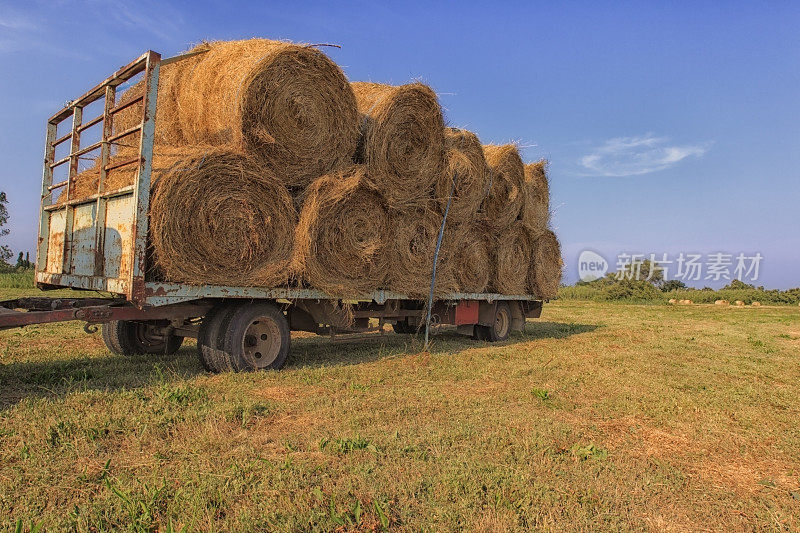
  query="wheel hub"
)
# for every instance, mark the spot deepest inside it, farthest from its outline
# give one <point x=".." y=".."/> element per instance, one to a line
<point x="501" y="323"/>
<point x="262" y="342"/>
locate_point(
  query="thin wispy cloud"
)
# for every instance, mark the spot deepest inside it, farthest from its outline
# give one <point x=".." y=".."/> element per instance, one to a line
<point x="634" y="156"/>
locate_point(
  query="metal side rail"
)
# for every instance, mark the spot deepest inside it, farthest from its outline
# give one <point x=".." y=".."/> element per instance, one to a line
<point x="28" y="311"/>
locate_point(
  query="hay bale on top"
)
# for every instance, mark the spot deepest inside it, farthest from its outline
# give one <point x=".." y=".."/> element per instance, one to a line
<point x="512" y="259"/>
<point x="471" y="257"/>
<point x="216" y="217"/>
<point x="340" y="241"/>
<point x="545" y="271"/>
<point x="402" y="139"/>
<point x="287" y="104"/>
<point x="411" y="250"/>
<point x="536" y="209"/>
<point x="465" y="160"/>
<point x="503" y="204"/>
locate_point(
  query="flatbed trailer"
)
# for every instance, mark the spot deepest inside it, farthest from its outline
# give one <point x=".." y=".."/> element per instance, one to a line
<point x="99" y="243"/>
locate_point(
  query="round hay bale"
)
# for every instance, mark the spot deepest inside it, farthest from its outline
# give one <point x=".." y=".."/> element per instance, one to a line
<point x="536" y="209"/>
<point x="468" y="248"/>
<point x="287" y="104"/>
<point x="465" y="160"/>
<point x="739" y="303"/>
<point x="506" y="196"/>
<point x="340" y="241"/>
<point x="402" y="139"/>
<point x="722" y="302"/>
<point x="756" y="304"/>
<point x="411" y="250"/>
<point x="673" y="301"/>
<point x="544" y="274"/>
<point x="217" y="217"/>
<point x="512" y="260"/>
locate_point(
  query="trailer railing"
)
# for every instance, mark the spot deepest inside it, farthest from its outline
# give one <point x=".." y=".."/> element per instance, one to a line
<point x="99" y="241"/>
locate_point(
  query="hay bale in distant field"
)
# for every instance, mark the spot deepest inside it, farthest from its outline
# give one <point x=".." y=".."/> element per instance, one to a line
<point x="739" y="303"/>
<point x="685" y="302"/>
<point x="340" y="241"/>
<point x="217" y="217"/>
<point x="512" y="261"/>
<point x="411" y="250"/>
<point x="673" y="301"/>
<point x="722" y="302"/>
<point x="507" y="195"/>
<point x="465" y="159"/>
<point x="536" y="209"/>
<point x="756" y="304"/>
<point x="402" y="139"/>
<point x="468" y="246"/>
<point x="544" y="275"/>
<point x="286" y="104"/>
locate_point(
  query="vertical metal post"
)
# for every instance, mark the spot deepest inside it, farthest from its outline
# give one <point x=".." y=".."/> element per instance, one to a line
<point x="75" y="145"/>
<point x="47" y="181"/>
<point x="141" y="192"/>
<point x="436" y="260"/>
<point x="100" y="209"/>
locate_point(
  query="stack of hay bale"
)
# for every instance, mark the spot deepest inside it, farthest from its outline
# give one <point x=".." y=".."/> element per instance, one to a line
<point x="271" y="169"/>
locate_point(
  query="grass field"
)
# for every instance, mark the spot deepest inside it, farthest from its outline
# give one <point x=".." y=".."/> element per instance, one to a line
<point x="599" y="417"/>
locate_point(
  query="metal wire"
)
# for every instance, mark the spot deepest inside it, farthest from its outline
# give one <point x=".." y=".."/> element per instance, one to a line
<point x="436" y="259"/>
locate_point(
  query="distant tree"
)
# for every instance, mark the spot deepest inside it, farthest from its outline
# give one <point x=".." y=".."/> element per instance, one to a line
<point x="646" y="270"/>
<point x="673" y="285"/>
<point x="738" y="284"/>
<point x="5" y="251"/>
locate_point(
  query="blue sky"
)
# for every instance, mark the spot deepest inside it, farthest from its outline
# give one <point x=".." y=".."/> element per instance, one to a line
<point x="670" y="126"/>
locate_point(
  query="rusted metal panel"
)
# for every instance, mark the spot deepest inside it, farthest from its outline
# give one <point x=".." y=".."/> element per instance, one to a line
<point x="82" y="242"/>
<point x="46" y="198"/>
<point x="102" y="202"/>
<point x="162" y="293"/>
<point x="95" y="283"/>
<point x="141" y="191"/>
<point x="467" y="312"/>
<point x="118" y="237"/>
<point x="55" y="242"/>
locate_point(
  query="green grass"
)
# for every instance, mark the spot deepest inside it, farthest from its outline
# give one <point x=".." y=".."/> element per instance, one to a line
<point x="16" y="280"/>
<point x="601" y="416"/>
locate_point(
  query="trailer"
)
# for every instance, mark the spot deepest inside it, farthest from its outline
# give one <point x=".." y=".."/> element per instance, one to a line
<point x="99" y="243"/>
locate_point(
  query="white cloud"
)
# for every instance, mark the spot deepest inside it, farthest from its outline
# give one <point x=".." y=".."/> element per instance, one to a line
<point x="12" y="21"/>
<point x="634" y="156"/>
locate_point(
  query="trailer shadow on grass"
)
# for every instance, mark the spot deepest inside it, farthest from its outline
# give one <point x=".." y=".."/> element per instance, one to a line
<point x="318" y="351"/>
<point x="56" y="378"/>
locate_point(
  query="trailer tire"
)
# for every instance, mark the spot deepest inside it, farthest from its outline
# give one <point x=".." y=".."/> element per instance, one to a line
<point x="501" y="325"/>
<point x="125" y="337"/>
<point x="257" y="337"/>
<point x="209" y="338"/>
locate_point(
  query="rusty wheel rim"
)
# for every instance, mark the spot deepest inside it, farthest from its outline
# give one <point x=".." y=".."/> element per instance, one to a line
<point x="261" y="344"/>
<point x="501" y="322"/>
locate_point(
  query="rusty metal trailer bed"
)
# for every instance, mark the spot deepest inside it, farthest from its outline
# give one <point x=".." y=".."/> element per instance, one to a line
<point x="99" y="243"/>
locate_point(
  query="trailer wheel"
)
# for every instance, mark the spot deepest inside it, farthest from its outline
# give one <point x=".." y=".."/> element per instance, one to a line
<point x="501" y="325"/>
<point x="257" y="338"/>
<point x="209" y="338"/>
<point x="125" y="337"/>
